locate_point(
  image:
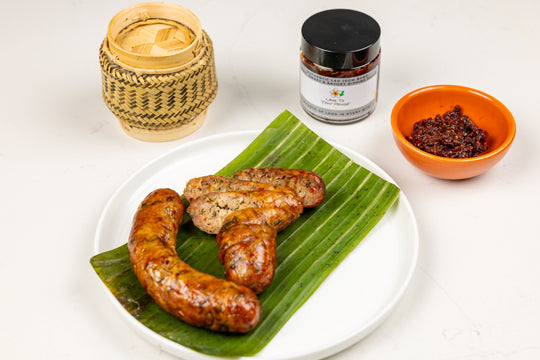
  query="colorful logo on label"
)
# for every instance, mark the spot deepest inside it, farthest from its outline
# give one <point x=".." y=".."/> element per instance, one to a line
<point x="337" y="93"/>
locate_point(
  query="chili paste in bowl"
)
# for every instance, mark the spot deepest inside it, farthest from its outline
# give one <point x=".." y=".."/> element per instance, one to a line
<point x="434" y="130"/>
<point x="452" y="135"/>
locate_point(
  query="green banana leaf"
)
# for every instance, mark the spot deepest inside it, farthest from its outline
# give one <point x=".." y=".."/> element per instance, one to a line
<point x="307" y="251"/>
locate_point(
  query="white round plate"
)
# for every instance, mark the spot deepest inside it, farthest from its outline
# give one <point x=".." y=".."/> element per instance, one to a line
<point x="349" y="304"/>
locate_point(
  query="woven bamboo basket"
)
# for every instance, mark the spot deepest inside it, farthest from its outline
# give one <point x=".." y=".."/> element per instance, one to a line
<point x="158" y="71"/>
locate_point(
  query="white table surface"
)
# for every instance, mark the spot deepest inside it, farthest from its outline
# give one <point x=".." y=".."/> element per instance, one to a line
<point x="476" y="290"/>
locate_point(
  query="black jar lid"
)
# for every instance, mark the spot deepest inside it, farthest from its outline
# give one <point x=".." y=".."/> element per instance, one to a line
<point x="340" y="39"/>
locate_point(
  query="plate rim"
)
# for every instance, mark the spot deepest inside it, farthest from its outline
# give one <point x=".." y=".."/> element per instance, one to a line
<point x="172" y="347"/>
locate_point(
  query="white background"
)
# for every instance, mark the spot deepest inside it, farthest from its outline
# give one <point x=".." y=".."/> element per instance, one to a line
<point x="476" y="291"/>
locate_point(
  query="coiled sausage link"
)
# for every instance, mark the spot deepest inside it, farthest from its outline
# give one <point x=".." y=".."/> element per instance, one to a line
<point x="246" y="212"/>
<point x="198" y="299"/>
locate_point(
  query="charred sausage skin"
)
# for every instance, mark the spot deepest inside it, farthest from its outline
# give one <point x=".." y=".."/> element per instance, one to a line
<point x="247" y="245"/>
<point x="248" y="253"/>
<point x="278" y="218"/>
<point x="209" y="211"/>
<point x="308" y="185"/>
<point x="197" y="187"/>
<point x="198" y="299"/>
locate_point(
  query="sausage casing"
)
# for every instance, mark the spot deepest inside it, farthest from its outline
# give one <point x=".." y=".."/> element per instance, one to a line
<point x="278" y="218"/>
<point x="197" y="187"/>
<point x="248" y="253"/>
<point x="197" y="298"/>
<point x="247" y="245"/>
<point x="209" y="211"/>
<point x="308" y="185"/>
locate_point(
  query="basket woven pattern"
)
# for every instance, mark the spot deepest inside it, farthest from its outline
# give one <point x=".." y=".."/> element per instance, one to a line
<point x="150" y="103"/>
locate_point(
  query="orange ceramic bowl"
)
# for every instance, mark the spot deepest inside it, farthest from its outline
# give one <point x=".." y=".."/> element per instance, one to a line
<point x="484" y="110"/>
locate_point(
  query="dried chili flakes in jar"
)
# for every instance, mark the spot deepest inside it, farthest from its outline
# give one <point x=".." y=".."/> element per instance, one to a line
<point x="452" y="135"/>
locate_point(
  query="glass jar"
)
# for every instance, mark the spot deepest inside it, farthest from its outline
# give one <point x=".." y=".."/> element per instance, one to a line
<point x="339" y="66"/>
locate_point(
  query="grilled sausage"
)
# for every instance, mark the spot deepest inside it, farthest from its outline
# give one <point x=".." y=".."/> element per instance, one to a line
<point x="308" y="185"/>
<point x="210" y="210"/>
<point x="278" y="218"/>
<point x="213" y="183"/>
<point x="247" y="245"/>
<point x="197" y="298"/>
<point x="248" y="252"/>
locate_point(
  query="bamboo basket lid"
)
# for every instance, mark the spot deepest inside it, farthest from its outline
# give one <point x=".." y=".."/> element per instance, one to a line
<point x="154" y="37"/>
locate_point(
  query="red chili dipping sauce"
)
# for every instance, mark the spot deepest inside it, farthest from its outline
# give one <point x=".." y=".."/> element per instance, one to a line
<point x="452" y="135"/>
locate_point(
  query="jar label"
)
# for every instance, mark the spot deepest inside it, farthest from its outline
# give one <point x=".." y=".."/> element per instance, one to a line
<point x="339" y="99"/>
